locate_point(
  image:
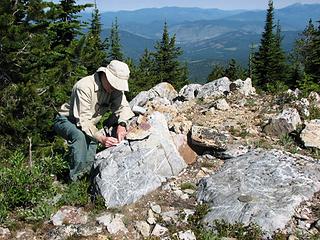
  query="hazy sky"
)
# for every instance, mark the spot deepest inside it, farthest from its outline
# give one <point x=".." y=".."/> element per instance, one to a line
<point x="115" y="5"/>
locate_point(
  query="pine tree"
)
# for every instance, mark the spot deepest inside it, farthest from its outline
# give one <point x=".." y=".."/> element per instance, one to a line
<point x="217" y="72"/>
<point x="93" y="49"/>
<point x="280" y="65"/>
<point x="115" y="52"/>
<point x="167" y="66"/>
<point x="269" y="58"/>
<point x="312" y="65"/>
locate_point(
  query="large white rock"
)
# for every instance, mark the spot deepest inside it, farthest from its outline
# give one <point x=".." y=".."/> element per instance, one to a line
<point x="190" y="91"/>
<point x="163" y="90"/>
<point x="245" y="87"/>
<point x="262" y="187"/>
<point x="215" y="88"/>
<point x="284" y="123"/>
<point x="310" y="135"/>
<point x="127" y="172"/>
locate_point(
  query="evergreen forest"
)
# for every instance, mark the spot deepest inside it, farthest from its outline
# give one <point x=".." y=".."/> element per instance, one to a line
<point x="45" y="49"/>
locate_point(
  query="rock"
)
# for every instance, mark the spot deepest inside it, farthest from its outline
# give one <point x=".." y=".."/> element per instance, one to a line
<point x="142" y="98"/>
<point x="113" y="223"/>
<point x="138" y="110"/>
<point x="158" y="231"/>
<point x="303" y="106"/>
<point x="281" y="183"/>
<point x="181" y="125"/>
<point x="87" y="231"/>
<point x="156" y="208"/>
<point x="127" y="172"/>
<point x="314" y="97"/>
<point x="69" y="215"/>
<point x="310" y="135"/>
<point x="186" y="235"/>
<point x="190" y="91"/>
<point x="143" y="228"/>
<point x="62" y="232"/>
<point x="317" y="225"/>
<point x="245" y="87"/>
<point x="284" y="123"/>
<point x="215" y="88"/>
<point x="151" y="218"/>
<point x="25" y="234"/>
<point x="232" y="151"/>
<point x="170" y="216"/>
<point x="221" y="104"/>
<point x="292" y="237"/>
<point x="162" y="90"/>
<point x="4" y="233"/>
<point x="165" y="90"/>
<point x="209" y="137"/>
<point x="184" y="149"/>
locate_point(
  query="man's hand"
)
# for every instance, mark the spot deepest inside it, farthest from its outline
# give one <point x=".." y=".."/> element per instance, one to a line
<point x="107" y="141"/>
<point x="121" y="132"/>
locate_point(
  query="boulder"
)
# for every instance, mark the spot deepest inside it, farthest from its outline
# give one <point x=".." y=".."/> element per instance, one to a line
<point x="245" y="87"/>
<point x="221" y="104"/>
<point x="262" y="187"/>
<point x="215" y="88"/>
<point x="284" y="123"/>
<point x="190" y="91"/>
<point x="132" y="169"/>
<point x="209" y="137"/>
<point x="162" y="90"/>
<point x="184" y="149"/>
<point x="310" y="135"/>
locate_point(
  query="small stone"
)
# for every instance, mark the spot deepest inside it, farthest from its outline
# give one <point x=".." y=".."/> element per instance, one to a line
<point x="151" y="218"/>
<point x="25" y="234"/>
<point x="187" y="235"/>
<point x="86" y="231"/>
<point x="189" y="191"/>
<point x="69" y="215"/>
<point x="317" y="225"/>
<point x="178" y="193"/>
<point x="159" y="230"/>
<point x="4" y="233"/>
<point x="143" y="228"/>
<point x="222" y="104"/>
<point x="187" y="213"/>
<point x="114" y="224"/>
<point x="156" y="208"/>
<point x="170" y="216"/>
<point x="184" y="196"/>
<point x="292" y="237"/>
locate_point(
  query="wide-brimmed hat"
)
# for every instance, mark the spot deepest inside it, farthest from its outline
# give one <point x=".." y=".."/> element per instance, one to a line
<point x="117" y="74"/>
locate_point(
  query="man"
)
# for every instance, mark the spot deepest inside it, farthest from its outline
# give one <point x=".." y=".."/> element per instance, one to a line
<point x="91" y="98"/>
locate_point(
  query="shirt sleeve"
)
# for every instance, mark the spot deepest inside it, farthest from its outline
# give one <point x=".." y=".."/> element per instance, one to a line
<point x="82" y="111"/>
<point x="120" y="107"/>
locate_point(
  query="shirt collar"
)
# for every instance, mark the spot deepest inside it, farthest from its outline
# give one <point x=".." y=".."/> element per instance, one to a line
<point x="97" y="82"/>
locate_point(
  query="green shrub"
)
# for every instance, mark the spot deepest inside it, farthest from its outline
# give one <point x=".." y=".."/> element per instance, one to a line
<point x="238" y="230"/>
<point x="26" y="186"/>
<point x="76" y="194"/>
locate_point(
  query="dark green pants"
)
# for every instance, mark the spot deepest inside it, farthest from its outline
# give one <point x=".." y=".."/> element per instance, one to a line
<point x="82" y="148"/>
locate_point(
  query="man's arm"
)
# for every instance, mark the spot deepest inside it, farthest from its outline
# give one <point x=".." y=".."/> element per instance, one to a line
<point x="123" y="112"/>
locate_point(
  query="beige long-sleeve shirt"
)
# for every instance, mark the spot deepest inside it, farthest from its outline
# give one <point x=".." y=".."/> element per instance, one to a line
<point x="89" y="102"/>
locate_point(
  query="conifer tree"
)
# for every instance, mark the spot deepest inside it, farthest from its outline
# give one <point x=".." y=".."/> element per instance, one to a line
<point x="115" y="52"/>
<point x="217" y="72"/>
<point x="93" y="49"/>
<point x="167" y="67"/>
<point x="312" y="65"/>
<point x="268" y="59"/>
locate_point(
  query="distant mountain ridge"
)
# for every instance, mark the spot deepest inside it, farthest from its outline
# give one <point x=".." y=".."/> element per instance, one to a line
<point x="207" y="36"/>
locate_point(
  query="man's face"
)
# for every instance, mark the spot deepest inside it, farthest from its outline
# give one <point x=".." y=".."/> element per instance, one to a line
<point x="105" y="83"/>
